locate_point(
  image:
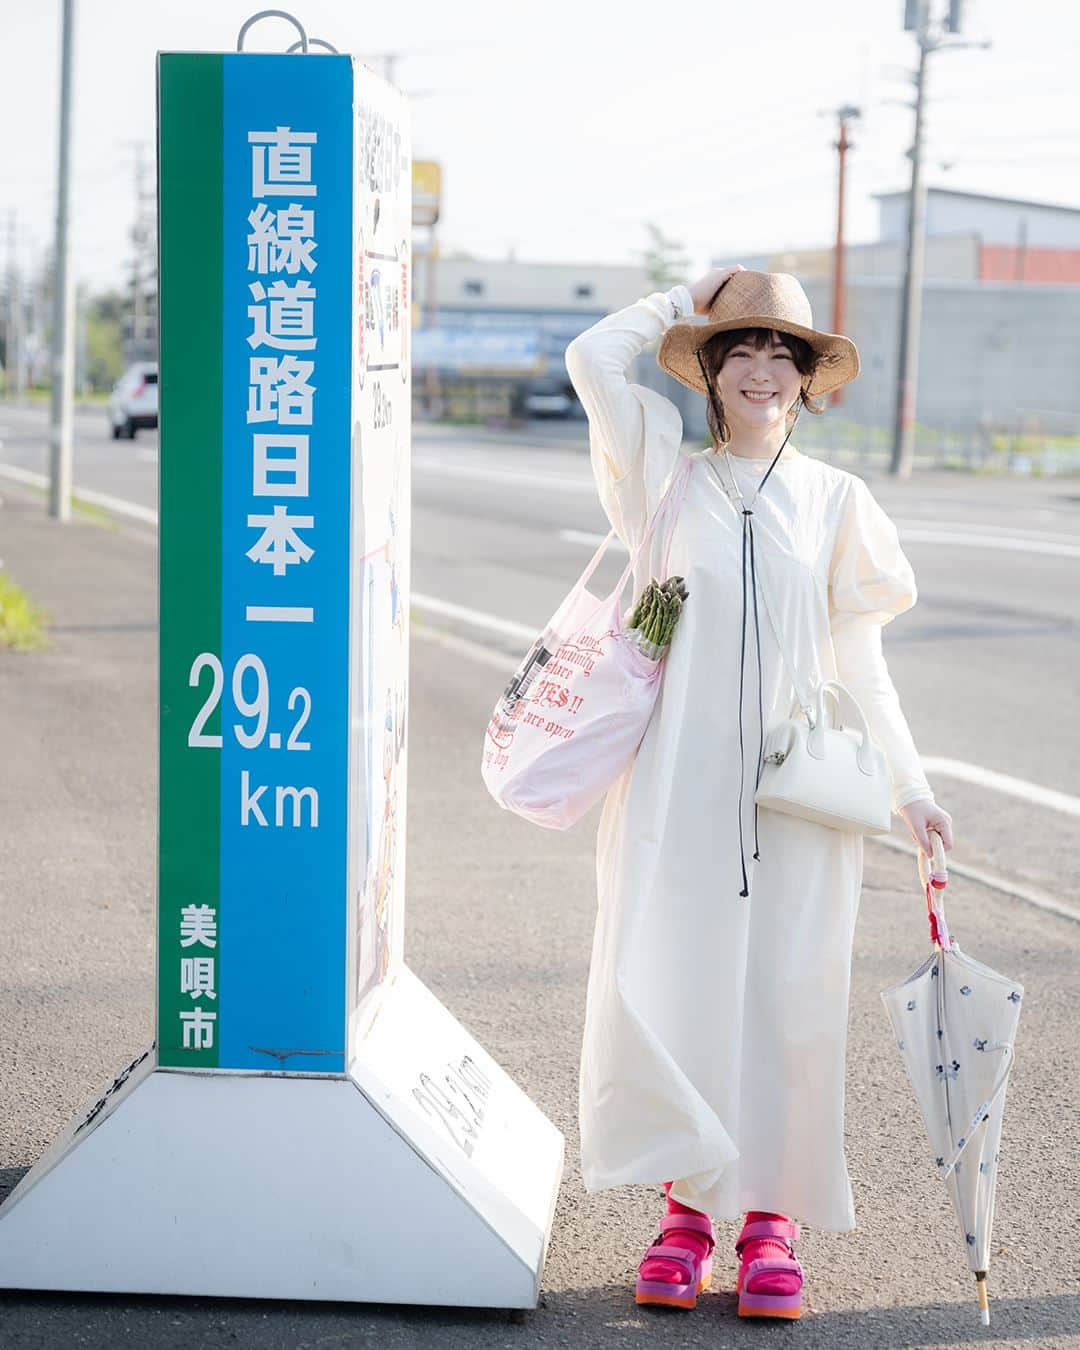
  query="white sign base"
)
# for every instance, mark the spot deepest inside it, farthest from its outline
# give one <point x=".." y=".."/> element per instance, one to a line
<point x="352" y="1188"/>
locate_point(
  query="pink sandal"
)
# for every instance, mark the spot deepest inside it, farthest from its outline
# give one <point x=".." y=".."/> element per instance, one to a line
<point x="769" y="1273"/>
<point x="698" y="1269"/>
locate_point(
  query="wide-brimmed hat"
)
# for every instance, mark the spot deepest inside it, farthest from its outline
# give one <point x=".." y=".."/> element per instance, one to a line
<point x="759" y="300"/>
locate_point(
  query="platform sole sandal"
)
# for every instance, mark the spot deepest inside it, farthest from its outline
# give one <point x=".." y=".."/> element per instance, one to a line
<point x="696" y="1269"/>
<point x="758" y="1303"/>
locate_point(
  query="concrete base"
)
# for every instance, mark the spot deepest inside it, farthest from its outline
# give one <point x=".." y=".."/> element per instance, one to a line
<point x="422" y="1176"/>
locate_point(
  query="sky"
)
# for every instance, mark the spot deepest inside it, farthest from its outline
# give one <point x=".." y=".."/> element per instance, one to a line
<point x="563" y="128"/>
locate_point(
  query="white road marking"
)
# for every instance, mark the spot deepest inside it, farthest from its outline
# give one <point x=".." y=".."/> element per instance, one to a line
<point x="907" y="534"/>
<point x="476" y="617"/>
<point x="1016" y="531"/>
<point x="962" y="533"/>
<point x="1028" y="894"/>
<point x="487" y="656"/>
<point x="994" y="541"/>
<point x="1003" y="782"/>
<point x="131" y="510"/>
<point x="590" y="539"/>
<point x="482" y="473"/>
<point x="950" y="768"/>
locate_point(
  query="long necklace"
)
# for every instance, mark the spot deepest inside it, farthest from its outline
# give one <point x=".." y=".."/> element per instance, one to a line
<point x="734" y="491"/>
<point x="746" y="510"/>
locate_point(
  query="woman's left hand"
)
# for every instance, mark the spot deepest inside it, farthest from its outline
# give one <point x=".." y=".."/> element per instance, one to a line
<point x="923" y="816"/>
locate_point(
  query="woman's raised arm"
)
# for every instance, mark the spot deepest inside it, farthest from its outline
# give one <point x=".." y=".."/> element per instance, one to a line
<point x="597" y="361"/>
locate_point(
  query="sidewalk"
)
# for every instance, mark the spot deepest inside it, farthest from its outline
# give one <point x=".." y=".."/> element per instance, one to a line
<point x="499" y="925"/>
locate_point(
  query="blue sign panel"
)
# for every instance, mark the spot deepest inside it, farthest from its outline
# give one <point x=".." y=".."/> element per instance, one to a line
<point x="286" y="331"/>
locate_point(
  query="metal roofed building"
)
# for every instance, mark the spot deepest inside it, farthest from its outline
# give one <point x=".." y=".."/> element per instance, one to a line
<point x="1000" y="333"/>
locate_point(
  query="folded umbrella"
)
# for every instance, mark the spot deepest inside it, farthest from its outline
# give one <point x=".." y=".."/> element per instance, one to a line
<point x="955" y="1021"/>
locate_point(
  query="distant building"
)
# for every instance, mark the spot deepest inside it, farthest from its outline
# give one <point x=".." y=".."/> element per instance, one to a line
<point x="503" y="292"/>
<point x="534" y="308"/>
<point x="1000" y="335"/>
<point x="969" y="237"/>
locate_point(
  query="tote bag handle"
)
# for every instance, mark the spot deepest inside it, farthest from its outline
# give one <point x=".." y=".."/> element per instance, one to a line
<point x="673" y="479"/>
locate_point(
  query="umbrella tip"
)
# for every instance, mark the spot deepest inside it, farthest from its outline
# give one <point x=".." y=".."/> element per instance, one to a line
<point x="984" y="1302"/>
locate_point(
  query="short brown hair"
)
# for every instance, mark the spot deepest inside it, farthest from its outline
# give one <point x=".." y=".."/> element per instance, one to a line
<point x="713" y="353"/>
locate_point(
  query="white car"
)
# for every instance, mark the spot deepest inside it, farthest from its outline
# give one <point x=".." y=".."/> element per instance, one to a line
<point x="134" y="400"/>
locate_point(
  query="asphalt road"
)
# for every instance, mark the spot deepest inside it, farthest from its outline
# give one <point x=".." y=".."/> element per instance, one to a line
<point x="500" y="914"/>
<point x="986" y="664"/>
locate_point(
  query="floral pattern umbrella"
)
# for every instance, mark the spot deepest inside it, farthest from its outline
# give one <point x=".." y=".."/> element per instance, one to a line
<point x="955" y="1021"/>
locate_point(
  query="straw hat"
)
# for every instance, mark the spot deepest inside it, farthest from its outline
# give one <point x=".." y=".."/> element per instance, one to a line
<point x="759" y="300"/>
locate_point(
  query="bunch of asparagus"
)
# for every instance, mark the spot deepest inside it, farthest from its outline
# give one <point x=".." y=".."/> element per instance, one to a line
<point x="653" y="619"/>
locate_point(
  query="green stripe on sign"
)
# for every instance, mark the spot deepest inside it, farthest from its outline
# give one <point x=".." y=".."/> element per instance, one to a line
<point x="190" y="93"/>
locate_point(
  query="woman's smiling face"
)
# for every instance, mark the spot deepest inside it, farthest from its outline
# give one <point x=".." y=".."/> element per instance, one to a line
<point x="757" y="386"/>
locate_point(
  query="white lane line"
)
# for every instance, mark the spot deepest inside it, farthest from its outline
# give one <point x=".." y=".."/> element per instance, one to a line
<point x="560" y="482"/>
<point x="1028" y="894"/>
<point x="951" y="768"/>
<point x="962" y="533"/>
<point x="118" y="505"/>
<point x="487" y="656"/>
<point x="18" y="475"/>
<point x="476" y="617"/>
<point x="921" y="536"/>
<point x="1015" y="531"/>
<point x="1004" y="783"/>
<point x="994" y="541"/>
<point x="592" y="540"/>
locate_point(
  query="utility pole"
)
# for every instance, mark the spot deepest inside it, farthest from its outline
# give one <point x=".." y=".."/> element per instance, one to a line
<point x="930" y="35"/>
<point x="846" y="114"/>
<point x="15" y="361"/>
<point x="911" y="305"/>
<point x="141" y="337"/>
<point x="63" y="346"/>
<point x="1021" y="251"/>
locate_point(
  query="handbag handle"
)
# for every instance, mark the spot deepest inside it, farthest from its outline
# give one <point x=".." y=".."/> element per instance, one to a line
<point x="815" y="741"/>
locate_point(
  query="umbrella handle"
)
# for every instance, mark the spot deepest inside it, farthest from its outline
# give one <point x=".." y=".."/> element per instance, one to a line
<point x="939" y="872"/>
<point x="935" y="878"/>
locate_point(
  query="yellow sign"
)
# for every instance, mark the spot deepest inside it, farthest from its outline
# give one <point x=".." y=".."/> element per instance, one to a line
<point x="426" y="191"/>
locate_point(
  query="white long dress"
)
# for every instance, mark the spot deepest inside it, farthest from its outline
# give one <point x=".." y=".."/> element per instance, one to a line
<point x="715" y="1026"/>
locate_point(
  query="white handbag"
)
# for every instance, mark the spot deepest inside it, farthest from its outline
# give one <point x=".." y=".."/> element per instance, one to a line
<point x="816" y="767"/>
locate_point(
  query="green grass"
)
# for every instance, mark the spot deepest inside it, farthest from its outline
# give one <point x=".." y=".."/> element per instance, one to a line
<point x="93" y="513"/>
<point x="41" y="394"/>
<point x="22" y="623"/>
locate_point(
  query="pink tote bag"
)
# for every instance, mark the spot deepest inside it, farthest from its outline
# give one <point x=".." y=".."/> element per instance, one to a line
<point x="573" y="715"/>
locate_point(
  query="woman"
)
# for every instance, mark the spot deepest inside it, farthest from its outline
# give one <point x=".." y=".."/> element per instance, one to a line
<point x="716" y="1013"/>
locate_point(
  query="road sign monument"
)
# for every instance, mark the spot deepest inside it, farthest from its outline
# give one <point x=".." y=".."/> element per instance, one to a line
<point x="310" y="1120"/>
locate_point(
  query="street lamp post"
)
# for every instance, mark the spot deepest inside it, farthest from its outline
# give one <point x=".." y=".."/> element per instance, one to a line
<point x="63" y="344"/>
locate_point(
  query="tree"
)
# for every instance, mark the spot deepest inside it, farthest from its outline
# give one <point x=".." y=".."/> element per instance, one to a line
<point x="106" y="314"/>
<point x="665" y="263"/>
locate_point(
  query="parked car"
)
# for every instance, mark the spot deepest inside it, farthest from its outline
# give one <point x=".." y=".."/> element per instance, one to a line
<point x="133" y="403"/>
<point x="547" y="396"/>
